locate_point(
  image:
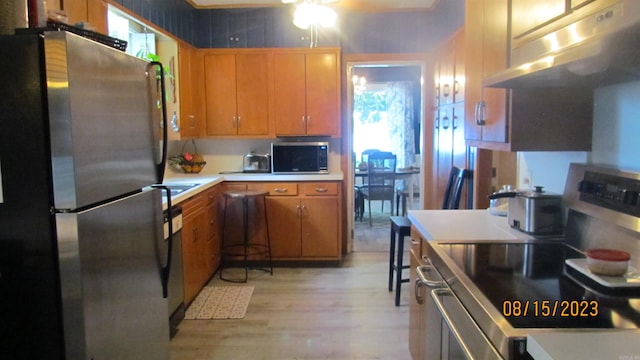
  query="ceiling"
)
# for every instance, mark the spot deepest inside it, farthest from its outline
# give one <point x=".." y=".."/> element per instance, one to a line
<point x="369" y="5"/>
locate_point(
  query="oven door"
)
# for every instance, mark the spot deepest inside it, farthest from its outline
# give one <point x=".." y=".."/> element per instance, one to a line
<point x="460" y="337"/>
<point x="450" y="331"/>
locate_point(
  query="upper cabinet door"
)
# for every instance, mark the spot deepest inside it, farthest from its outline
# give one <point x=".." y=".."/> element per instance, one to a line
<point x="252" y="94"/>
<point x="307" y="93"/>
<point x="529" y="15"/>
<point x="323" y="113"/>
<point x="237" y="93"/>
<point x="220" y="89"/>
<point x="289" y="93"/>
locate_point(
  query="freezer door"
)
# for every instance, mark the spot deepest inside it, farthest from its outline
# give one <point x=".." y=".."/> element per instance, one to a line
<point x="110" y="259"/>
<point x="105" y="139"/>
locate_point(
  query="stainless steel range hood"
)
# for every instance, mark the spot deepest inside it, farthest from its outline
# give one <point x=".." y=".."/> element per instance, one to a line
<point x="598" y="50"/>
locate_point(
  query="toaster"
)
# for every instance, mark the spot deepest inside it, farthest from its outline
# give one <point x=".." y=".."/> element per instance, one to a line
<point x="256" y="163"/>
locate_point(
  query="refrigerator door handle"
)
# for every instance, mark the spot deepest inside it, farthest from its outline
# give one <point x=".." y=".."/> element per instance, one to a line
<point x="163" y="158"/>
<point x="166" y="270"/>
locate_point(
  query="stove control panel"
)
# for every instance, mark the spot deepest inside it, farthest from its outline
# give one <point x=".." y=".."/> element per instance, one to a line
<point x="612" y="192"/>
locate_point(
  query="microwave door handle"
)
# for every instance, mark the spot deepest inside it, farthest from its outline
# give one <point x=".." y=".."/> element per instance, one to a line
<point x="163" y="157"/>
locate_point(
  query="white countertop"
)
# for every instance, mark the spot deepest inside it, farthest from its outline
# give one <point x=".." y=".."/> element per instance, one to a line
<point x="574" y="345"/>
<point x="463" y="225"/>
<point x="207" y="181"/>
<point x="478" y="225"/>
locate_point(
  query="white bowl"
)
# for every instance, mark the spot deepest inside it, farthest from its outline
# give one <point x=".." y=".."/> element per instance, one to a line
<point x="608" y="262"/>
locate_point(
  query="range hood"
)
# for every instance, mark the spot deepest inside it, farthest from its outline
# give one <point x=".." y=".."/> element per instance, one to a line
<point x="598" y="50"/>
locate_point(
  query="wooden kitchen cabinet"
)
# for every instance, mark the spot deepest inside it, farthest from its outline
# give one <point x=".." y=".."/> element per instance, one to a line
<point x="307" y="92"/>
<point x="536" y="119"/>
<point x="194" y="246"/>
<point x="449" y="146"/>
<point x="191" y="73"/>
<point x="417" y="296"/>
<point x="530" y="15"/>
<point x="304" y="220"/>
<point x="237" y="92"/>
<point x="200" y="240"/>
<point x="213" y="246"/>
<point x="92" y="11"/>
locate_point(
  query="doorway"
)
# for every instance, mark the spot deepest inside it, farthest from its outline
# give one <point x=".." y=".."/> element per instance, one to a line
<point x="384" y="111"/>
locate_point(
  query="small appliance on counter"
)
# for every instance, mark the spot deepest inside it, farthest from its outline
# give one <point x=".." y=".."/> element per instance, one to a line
<point x="256" y="163"/>
<point x="300" y="157"/>
<point x="499" y="206"/>
<point x="534" y="212"/>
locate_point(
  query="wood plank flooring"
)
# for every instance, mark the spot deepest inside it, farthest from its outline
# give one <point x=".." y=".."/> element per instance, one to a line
<point x="337" y="313"/>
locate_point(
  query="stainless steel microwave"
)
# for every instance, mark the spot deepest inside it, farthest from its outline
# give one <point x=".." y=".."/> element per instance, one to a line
<point x="300" y="157"/>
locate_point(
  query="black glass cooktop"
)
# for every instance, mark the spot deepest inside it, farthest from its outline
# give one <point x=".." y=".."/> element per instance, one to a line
<point x="531" y="286"/>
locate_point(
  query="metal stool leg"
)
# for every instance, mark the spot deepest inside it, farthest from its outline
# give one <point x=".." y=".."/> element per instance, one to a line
<point x="399" y="266"/>
<point x="392" y="247"/>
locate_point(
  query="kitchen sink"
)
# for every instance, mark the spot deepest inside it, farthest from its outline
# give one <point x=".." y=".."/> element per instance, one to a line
<point x="180" y="187"/>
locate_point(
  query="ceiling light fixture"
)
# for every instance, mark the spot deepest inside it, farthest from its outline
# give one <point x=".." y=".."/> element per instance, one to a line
<point x="312" y="14"/>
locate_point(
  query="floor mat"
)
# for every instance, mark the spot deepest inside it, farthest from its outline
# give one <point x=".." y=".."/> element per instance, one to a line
<point x="220" y="302"/>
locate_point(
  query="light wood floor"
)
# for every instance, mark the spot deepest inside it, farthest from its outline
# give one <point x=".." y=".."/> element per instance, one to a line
<point x="336" y="313"/>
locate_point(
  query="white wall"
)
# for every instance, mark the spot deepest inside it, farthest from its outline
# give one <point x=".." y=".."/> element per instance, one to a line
<point x="616" y="141"/>
<point x="227" y="154"/>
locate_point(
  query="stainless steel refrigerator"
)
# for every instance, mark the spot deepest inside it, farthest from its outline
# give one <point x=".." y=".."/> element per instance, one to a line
<point x="82" y="263"/>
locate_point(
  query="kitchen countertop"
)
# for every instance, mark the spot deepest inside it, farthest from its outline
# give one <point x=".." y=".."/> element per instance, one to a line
<point x="573" y="345"/>
<point x="464" y="225"/>
<point x="478" y="225"/>
<point x="207" y="181"/>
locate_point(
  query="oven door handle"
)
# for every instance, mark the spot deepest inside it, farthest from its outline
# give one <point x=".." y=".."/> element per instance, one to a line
<point x="421" y="270"/>
<point x="435" y="295"/>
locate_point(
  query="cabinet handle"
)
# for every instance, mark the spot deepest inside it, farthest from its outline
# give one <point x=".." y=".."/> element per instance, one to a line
<point x="455" y="122"/>
<point x="303" y="118"/>
<point x="280" y="190"/>
<point x="304" y="211"/>
<point x="308" y="119"/>
<point x="445" y="90"/>
<point x="445" y="122"/>
<point x="192" y="121"/>
<point x="416" y="293"/>
<point x="436" y="122"/>
<point x="298" y="210"/>
<point x="456" y="87"/>
<point x="322" y="190"/>
<point x="239" y="122"/>
<point x="481" y="113"/>
<point x="233" y="122"/>
<point x="437" y="93"/>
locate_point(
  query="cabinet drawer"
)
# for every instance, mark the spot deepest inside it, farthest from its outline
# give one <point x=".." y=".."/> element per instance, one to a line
<point x="193" y="205"/>
<point x="282" y="189"/>
<point x="320" y="189"/>
<point x="212" y="195"/>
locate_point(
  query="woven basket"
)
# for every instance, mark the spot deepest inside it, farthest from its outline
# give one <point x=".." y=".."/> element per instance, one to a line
<point x="189" y="167"/>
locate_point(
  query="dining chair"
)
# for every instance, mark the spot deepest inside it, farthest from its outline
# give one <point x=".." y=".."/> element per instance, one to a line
<point x="453" y="192"/>
<point x="380" y="180"/>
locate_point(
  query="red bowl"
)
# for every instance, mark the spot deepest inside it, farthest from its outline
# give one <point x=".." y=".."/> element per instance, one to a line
<point x="609" y="262"/>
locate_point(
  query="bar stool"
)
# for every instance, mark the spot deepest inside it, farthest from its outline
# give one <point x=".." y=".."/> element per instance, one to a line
<point x="400" y="227"/>
<point x="246" y="248"/>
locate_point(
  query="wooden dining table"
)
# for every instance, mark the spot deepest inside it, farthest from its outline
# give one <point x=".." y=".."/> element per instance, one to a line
<point x="401" y="174"/>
